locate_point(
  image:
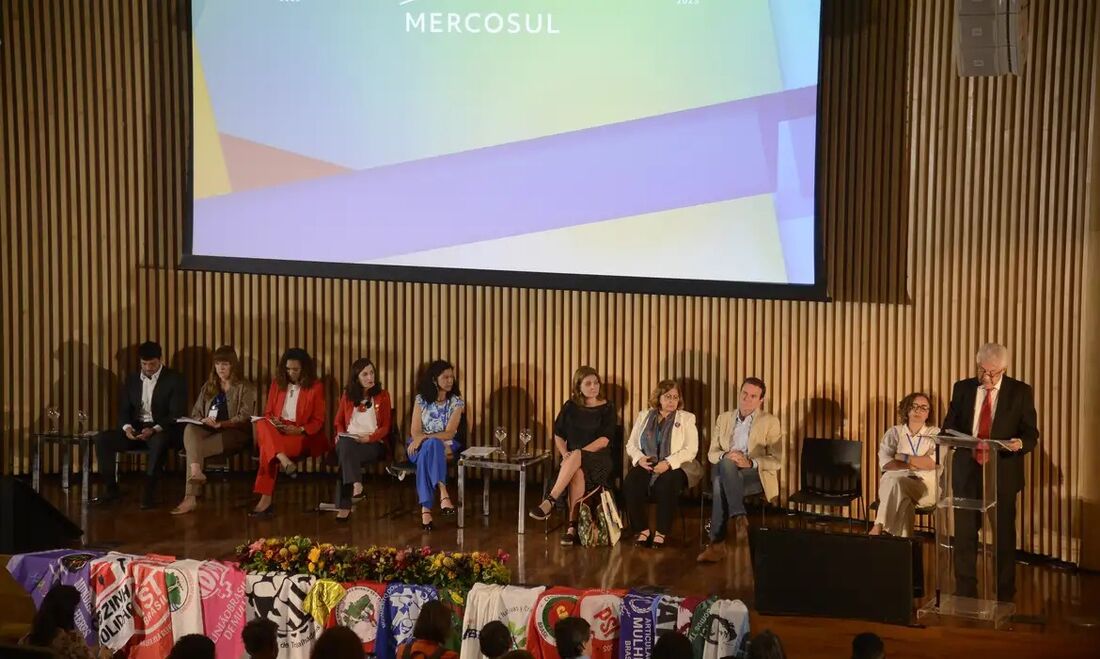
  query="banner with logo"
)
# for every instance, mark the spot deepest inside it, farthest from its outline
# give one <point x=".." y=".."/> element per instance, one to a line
<point x="280" y="597"/>
<point x="181" y="579"/>
<point x="222" y="589"/>
<point x="114" y="599"/>
<point x="602" y="608"/>
<point x="553" y="605"/>
<point x="400" y="608"/>
<point x="361" y="611"/>
<point x="38" y="572"/>
<point x="152" y="637"/>
<point x="638" y="624"/>
<point x="518" y="603"/>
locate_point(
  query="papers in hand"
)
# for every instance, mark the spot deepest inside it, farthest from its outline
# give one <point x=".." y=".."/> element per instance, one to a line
<point x="193" y="421"/>
<point x="348" y="436"/>
<point x="479" y="451"/>
<point x="257" y="418"/>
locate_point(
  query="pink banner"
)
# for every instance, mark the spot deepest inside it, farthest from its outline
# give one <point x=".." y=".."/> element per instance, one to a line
<point x="223" y="606"/>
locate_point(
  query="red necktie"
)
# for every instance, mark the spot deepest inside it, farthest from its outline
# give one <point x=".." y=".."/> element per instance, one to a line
<point x="985" y="422"/>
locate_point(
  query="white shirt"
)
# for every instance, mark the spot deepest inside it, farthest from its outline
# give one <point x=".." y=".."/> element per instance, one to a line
<point x="739" y="441"/>
<point x="979" y="400"/>
<point x="148" y="384"/>
<point x="290" y="405"/>
<point x="363" y="422"/>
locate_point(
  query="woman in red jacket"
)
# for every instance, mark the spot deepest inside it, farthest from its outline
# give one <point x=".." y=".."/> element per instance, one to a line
<point x="363" y="423"/>
<point x="292" y="423"/>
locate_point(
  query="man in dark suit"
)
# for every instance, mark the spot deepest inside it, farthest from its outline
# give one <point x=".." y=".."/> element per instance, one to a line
<point x="150" y="402"/>
<point x="990" y="406"/>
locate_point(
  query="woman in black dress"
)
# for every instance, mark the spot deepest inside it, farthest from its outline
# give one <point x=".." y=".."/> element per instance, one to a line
<point x="582" y="436"/>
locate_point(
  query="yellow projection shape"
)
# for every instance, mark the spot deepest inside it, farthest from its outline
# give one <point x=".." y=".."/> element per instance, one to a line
<point x="211" y="177"/>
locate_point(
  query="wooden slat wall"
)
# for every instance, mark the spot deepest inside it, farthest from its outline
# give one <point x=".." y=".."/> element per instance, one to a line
<point x="954" y="210"/>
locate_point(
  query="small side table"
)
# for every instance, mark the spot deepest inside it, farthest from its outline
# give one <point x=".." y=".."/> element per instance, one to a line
<point x="82" y="441"/>
<point x="498" y="462"/>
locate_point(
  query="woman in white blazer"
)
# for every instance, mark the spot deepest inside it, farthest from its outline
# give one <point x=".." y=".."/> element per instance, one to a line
<point x="662" y="448"/>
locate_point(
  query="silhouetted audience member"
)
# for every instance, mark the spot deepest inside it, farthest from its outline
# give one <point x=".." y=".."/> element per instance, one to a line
<point x="573" y="636"/>
<point x="671" y="645"/>
<point x="193" y="646"/>
<point x="54" y="626"/>
<point x="868" y="646"/>
<point x="338" y="643"/>
<point x="494" y="639"/>
<point x="260" y="638"/>
<point x="430" y="633"/>
<point x="766" y="645"/>
<point x="518" y="654"/>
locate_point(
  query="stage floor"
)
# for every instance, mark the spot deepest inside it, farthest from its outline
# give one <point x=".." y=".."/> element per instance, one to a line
<point x="1055" y="605"/>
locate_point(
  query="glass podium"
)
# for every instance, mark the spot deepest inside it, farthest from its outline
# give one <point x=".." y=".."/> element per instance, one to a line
<point x="965" y="585"/>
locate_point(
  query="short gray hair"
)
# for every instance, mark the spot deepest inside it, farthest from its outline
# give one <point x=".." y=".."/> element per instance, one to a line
<point x="992" y="352"/>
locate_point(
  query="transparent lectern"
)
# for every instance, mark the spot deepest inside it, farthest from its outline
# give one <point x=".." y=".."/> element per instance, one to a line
<point x="966" y="505"/>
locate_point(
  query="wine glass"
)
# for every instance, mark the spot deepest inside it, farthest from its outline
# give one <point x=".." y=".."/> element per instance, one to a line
<point x="53" y="416"/>
<point x="81" y="421"/>
<point x="500" y="434"/>
<point x="525" y="439"/>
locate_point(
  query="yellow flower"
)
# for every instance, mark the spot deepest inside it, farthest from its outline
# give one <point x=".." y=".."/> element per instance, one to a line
<point x="314" y="554"/>
<point x="312" y="566"/>
<point x="283" y="553"/>
<point x="293" y="549"/>
<point x="448" y="562"/>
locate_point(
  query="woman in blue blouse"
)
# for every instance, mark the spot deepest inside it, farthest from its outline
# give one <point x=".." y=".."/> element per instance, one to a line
<point x="436" y="416"/>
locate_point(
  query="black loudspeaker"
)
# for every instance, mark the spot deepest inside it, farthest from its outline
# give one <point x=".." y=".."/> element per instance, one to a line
<point x="29" y="523"/>
<point x="835" y="575"/>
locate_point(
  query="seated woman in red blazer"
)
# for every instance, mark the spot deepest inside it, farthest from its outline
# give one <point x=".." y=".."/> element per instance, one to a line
<point x="363" y="423"/>
<point x="292" y="425"/>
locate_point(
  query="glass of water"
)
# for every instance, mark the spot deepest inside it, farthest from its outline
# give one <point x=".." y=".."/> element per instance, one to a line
<point x="525" y="437"/>
<point x="81" y="421"/>
<point x="53" y="419"/>
<point x="500" y="434"/>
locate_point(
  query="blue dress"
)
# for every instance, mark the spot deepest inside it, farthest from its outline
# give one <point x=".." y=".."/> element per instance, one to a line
<point x="431" y="458"/>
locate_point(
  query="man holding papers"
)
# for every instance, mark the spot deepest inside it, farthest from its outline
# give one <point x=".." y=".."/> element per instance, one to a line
<point x="990" y="406"/>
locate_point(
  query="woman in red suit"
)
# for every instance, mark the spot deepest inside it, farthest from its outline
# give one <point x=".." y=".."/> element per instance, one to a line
<point x="363" y="421"/>
<point x="292" y="425"/>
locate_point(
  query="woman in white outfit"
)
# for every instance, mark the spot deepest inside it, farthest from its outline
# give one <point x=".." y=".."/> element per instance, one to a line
<point x="907" y="458"/>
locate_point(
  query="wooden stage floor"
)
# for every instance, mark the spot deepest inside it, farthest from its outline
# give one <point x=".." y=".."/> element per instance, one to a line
<point x="1056" y="605"/>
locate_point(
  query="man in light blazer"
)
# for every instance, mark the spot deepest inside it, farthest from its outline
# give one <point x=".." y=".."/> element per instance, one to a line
<point x="990" y="406"/>
<point x="150" y="402"/>
<point x="747" y="451"/>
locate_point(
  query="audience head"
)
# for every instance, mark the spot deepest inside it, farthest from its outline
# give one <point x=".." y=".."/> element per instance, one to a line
<point x="915" y="408"/>
<point x="338" y="643"/>
<point x="517" y="654"/>
<point x="438" y="378"/>
<point x="766" y="645"/>
<point x="193" y="646"/>
<point x="751" y="396"/>
<point x="226" y="366"/>
<point x="586" y="384"/>
<point x="151" y="357"/>
<point x="666" y="397"/>
<point x="54" y="615"/>
<point x="868" y="646"/>
<point x="494" y="639"/>
<point x="433" y="623"/>
<point x="573" y="636"/>
<point x="363" y="382"/>
<point x="992" y="361"/>
<point x="671" y="645"/>
<point x="260" y="639"/>
<point x="296" y="367"/>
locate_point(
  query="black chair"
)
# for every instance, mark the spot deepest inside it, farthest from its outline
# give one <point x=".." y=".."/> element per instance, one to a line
<point x="830" y="474"/>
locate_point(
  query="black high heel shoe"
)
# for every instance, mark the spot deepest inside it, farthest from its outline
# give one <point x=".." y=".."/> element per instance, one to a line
<point x="537" y="513"/>
<point x="426" y="526"/>
<point x="448" y="511"/>
<point x="569" y="538"/>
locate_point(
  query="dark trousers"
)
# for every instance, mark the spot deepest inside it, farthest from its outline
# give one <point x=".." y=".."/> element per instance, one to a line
<point x="664" y="491"/>
<point x="967" y="482"/>
<point x="352" y="455"/>
<point x="110" y="443"/>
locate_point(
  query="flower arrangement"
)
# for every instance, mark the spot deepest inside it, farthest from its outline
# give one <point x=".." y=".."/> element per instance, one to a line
<point x="455" y="571"/>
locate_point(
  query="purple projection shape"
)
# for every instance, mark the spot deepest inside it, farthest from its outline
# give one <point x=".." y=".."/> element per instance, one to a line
<point x="675" y="160"/>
